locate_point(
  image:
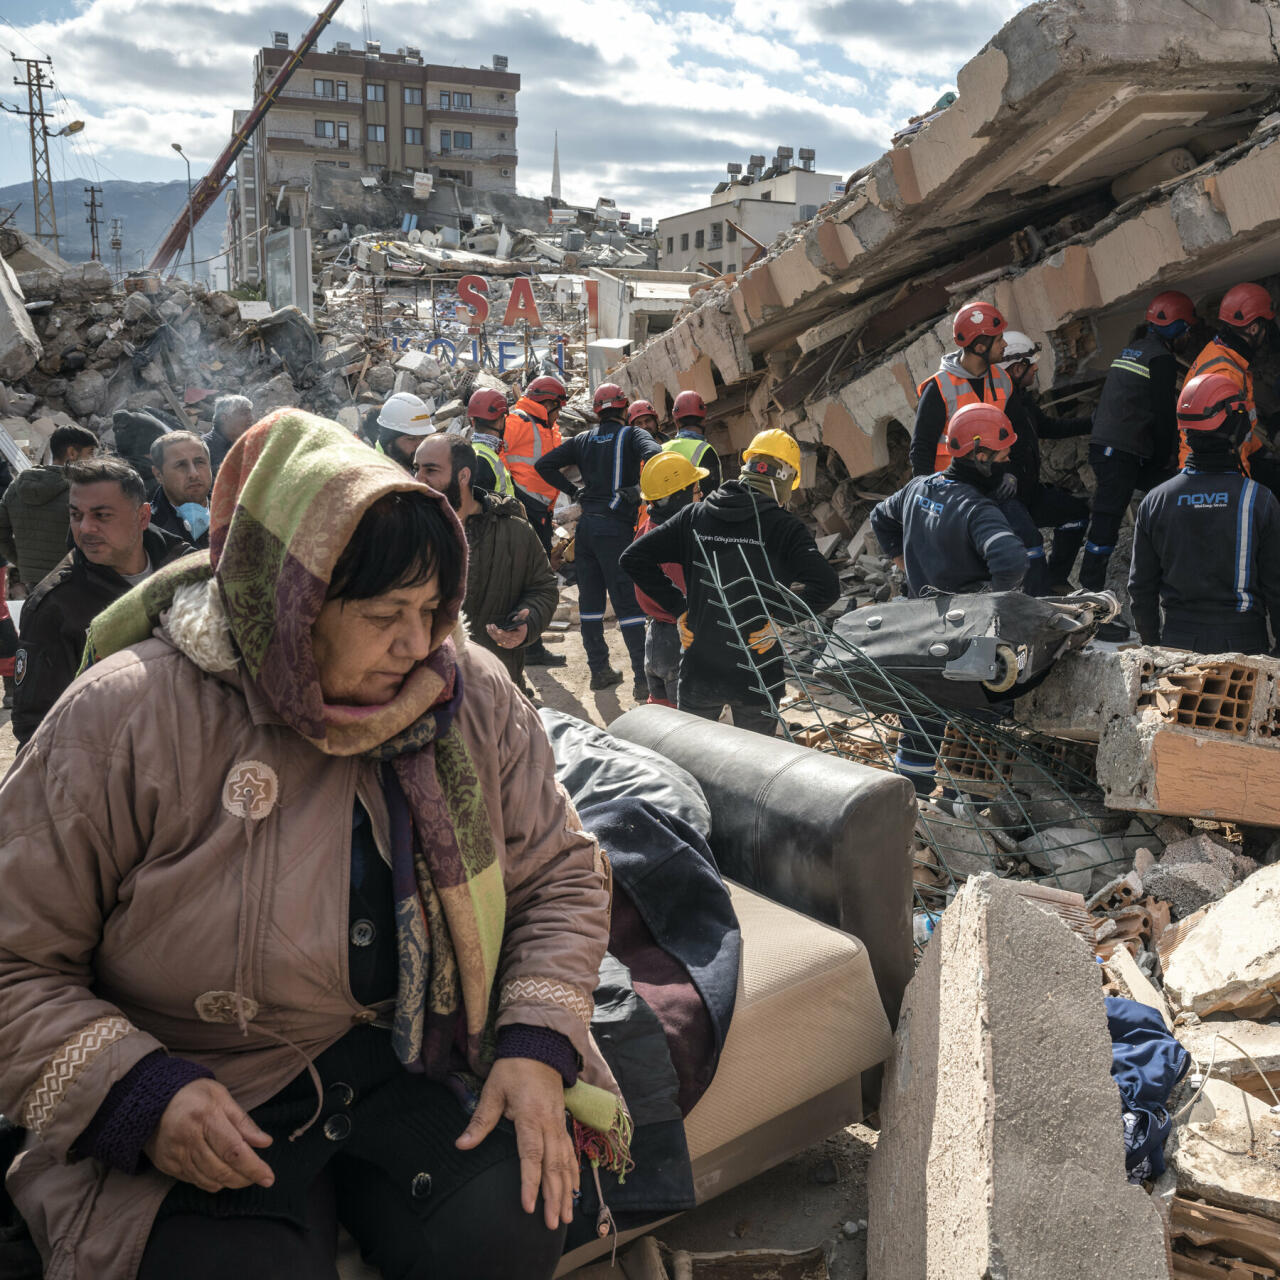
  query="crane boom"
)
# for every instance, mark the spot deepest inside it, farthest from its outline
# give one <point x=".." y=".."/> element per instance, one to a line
<point x="207" y="189"/>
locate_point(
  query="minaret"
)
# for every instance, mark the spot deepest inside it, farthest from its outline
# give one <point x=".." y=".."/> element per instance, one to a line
<point x="555" y="170"/>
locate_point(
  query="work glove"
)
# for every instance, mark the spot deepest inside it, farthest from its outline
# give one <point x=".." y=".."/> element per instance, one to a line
<point x="631" y="494"/>
<point x="764" y="638"/>
<point x="1007" y="487"/>
<point x="682" y="625"/>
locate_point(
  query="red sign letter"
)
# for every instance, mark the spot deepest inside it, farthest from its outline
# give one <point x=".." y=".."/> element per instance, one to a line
<point x="522" y="306"/>
<point x="471" y="291"/>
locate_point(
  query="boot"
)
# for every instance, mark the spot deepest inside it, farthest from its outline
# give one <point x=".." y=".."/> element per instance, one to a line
<point x="538" y="655"/>
<point x="640" y="689"/>
<point x="605" y="678"/>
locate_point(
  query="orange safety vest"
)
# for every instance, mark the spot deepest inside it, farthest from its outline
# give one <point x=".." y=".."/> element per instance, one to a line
<point x="1224" y="359"/>
<point x="958" y="392"/>
<point x="527" y="438"/>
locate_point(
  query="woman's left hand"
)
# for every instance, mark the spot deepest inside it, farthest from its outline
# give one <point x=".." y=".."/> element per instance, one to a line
<point x="531" y="1095"/>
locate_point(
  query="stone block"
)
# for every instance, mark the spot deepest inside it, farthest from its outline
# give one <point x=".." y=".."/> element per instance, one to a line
<point x="381" y="379"/>
<point x="87" y="393"/>
<point x="1239" y="1049"/>
<point x="1231" y="960"/>
<point x="137" y="307"/>
<point x="420" y="364"/>
<point x="982" y="1169"/>
<point x="1227" y="1151"/>
<point x="1187" y="886"/>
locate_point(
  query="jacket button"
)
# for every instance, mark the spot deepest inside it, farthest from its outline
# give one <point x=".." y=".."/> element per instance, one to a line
<point x="343" y="1092"/>
<point x="336" y="1128"/>
<point x="363" y="933"/>
<point x="420" y="1187"/>
<point x="364" y="1016"/>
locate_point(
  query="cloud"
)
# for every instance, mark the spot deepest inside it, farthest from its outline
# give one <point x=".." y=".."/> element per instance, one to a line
<point x="651" y="100"/>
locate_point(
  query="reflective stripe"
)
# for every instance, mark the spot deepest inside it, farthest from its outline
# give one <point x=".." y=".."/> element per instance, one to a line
<point x="591" y="617"/>
<point x="1131" y="366"/>
<point x="538" y="429"/>
<point x="632" y="622"/>
<point x="1073" y="524"/>
<point x="617" y="467"/>
<point x="995" y="537"/>
<point x="1035" y="553"/>
<point x="689" y="447"/>
<point x="1093" y="549"/>
<point x="504" y="486"/>
<point x="957" y="392"/>
<point x="1244" y="546"/>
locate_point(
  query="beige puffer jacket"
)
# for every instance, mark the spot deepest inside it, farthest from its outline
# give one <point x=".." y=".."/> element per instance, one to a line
<point x="128" y="822"/>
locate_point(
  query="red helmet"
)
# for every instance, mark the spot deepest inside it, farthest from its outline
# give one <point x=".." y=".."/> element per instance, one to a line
<point x="487" y="405"/>
<point x="640" y="409"/>
<point x="547" y="390"/>
<point x="1207" y="401"/>
<point x="689" y="404"/>
<point x="1169" y="307"/>
<point x="609" y="396"/>
<point x="975" y="426"/>
<point x="1242" y="304"/>
<point x="977" y="320"/>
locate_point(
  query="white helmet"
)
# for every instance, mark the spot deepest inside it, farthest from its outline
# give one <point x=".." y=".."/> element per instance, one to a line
<point x="1017" y="346"/>
<point x="407" y="415"/>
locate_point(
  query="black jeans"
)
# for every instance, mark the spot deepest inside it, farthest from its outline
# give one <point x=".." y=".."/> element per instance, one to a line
<point x="599" y="542"/>
<point x="753" y="716"/>
<point x="1036" y="583"/>
<point x="1068" y="516"/>
<point x="539" y="514"/>
<point x="1119" y="476"/>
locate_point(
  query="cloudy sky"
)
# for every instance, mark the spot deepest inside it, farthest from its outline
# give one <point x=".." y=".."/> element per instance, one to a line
<point x="651" y="97"/>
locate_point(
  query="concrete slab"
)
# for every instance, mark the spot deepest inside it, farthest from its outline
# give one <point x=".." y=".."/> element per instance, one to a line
<point x="19" y="346"/>
<point x="982" y="1170"/>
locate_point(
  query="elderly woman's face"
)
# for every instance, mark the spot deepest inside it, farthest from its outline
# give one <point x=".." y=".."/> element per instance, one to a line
<point x="365" y="648"/>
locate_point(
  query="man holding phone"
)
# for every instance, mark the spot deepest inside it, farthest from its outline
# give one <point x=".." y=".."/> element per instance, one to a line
<point x="511" y="590"/>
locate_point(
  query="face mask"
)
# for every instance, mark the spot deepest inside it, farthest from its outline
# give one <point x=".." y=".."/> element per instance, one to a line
<point x="195" y="517"/>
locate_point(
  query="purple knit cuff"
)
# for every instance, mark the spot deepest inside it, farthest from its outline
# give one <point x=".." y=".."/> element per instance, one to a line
<point x="542" y="1045"/>
<point x="132" y="1108"/>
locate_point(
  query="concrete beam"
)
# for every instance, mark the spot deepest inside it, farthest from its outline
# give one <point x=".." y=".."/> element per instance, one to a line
<point x="982" y="1168"/>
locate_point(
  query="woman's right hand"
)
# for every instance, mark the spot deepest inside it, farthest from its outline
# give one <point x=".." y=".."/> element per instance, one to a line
<point x="205" y="1137"/>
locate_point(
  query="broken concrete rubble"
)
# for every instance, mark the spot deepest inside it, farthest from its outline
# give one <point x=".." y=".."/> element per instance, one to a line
<point x="19" y="346"/>
<point x="1187" y="886"/>
<point x="1243" y="1052"/>
<point x="983" y="1167"/>
<point x="1231" y="960"/>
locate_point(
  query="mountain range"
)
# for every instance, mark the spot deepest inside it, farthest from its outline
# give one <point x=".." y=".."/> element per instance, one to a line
<point x="146" y="210"/>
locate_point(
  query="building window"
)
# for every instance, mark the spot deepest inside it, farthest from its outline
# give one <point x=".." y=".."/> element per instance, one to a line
<point x="717" y="234"/>
<point x="729" y="270"/>
<point x="461" y="141"/>
<point x="671" y="244"/>
<point x="376" y="132"/>
<point x="324" y="129"/>
<point x="344" y="164"/>
<point x="342" y="135"/>
<point x="699" y="238"/>
<point x="413" y="137"/>
<point x="446" y="140"/>
<point x="342" y="90"/>
<point x="733" y="233"/>
<point x="322" y="88"/>
<point x="444" y="98"/>
<point x="462" y="102"/>
<point x="766" y="195"/>
<point x="684" y="242"/>
<point x="716" y="266"/>
<point x="375" y="93"/>
<point x="412" y="97"/>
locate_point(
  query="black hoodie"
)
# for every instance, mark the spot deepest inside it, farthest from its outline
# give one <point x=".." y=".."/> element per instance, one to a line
<point x="754" y="545"/>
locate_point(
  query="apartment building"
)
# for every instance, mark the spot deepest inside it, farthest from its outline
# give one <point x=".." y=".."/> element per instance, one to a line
<point x="762" y="203"/>
<point x="369" y="110"/>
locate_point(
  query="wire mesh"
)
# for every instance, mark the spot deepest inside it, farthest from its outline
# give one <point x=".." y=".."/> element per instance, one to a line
<point x="992" y="796"/>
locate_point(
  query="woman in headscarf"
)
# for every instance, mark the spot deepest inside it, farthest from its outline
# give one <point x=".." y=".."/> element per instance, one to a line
<point x="297" y="927"/>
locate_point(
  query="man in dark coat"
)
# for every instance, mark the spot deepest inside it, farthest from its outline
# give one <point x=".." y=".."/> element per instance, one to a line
<point x="115" y="549"/>
<point x="180" y="504"/>
<point x="511" y="590"/>
<point x="232" y="417"/>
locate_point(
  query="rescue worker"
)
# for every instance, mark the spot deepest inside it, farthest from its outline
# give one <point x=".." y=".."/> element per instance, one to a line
<point x="1246" y="320"/>
<point x="737" y="547"/>
<point x="402" y="422"/>
<point x="973" y="374"/>
<point x="947" y="534"/>
<point x="609" y="458"/>
<point x="643" y="415"/>
<point x="669" y="482"/>
<point x="1049" y="506"/>
<point x="1206" y="544"/>
<point x="690" y="441"/>
<point x="1134" y="434"/>
<point x="487" y="412"/>
<point x="530" y="434"/>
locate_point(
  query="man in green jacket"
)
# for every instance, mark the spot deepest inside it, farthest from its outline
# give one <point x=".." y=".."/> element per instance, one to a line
<point x="511" y="590"/>
<point x="33" y="512"/>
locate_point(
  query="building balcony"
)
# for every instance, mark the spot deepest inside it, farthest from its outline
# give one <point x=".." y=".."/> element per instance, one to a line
<point x="326" y="101"/>
<point x="283" y="140"/>
<point x="508" y="113"/>
<point x="479" y="155"/>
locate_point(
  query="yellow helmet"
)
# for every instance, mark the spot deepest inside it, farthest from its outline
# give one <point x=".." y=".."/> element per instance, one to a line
<point x="667" y="473"/>
<point x="776" y="444"/>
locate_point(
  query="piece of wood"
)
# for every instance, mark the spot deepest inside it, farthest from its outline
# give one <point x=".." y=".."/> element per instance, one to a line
<point x="751" y="1264"/>
<point x="1239" y="1235"/>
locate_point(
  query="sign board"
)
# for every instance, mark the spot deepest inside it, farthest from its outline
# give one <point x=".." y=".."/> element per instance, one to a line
<point x="422" y="184"/>
<point x="255" y="310"/>
<point x="606" y="212"/>
<point x="563" y="217"/>
<point x="837" y="188"/>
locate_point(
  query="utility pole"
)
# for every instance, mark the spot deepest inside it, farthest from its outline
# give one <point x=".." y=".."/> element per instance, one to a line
<point x="46" y="217"/>
<point x="116" y="242"/>
<point x="93" y="206"/>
